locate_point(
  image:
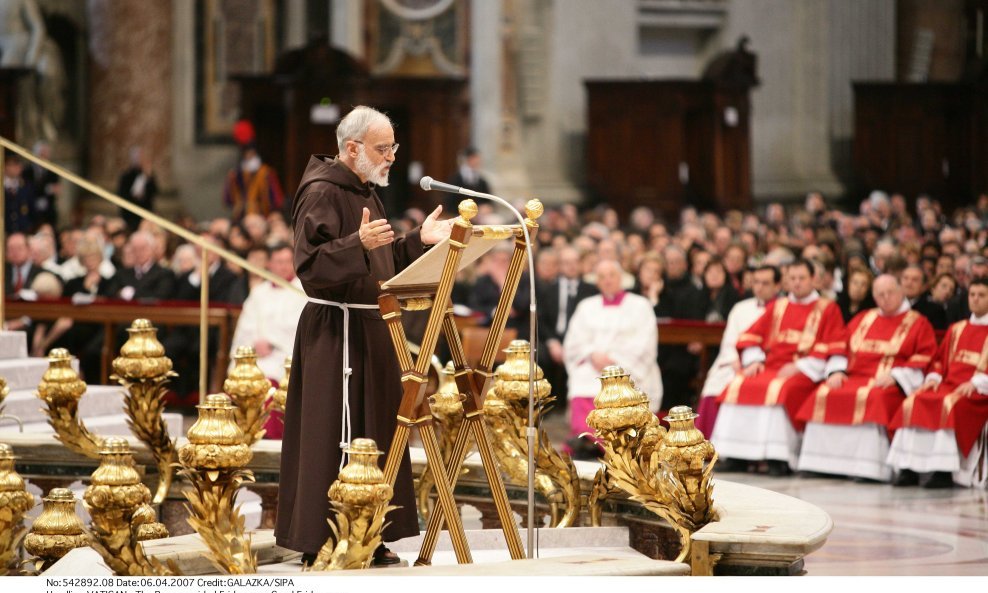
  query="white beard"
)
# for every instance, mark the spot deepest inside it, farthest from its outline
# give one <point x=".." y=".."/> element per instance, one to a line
<point x="376" y="175"/>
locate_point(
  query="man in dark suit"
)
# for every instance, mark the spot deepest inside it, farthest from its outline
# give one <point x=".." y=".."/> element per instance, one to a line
<point x="147" y="279"/>
<point x="557" y="302"/>
<point x="20" y="270"/>
<point x="138" y="185"/>
<point x="19" y="197"/>
<point x="913" y="281"/>
<point x="182" y="342"/>
<point x="466" y="175"/>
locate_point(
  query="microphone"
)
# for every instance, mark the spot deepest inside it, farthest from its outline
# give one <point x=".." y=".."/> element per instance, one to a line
<point x="428" y="184"/>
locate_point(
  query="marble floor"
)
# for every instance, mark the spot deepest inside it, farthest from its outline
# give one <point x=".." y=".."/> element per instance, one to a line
<point x="882" y="530"/>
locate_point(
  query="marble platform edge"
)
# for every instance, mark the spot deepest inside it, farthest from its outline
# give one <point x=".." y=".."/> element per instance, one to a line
<point x="189" y="551"/>
<point x="493" y="539"/>
<point x="572" y="565"/>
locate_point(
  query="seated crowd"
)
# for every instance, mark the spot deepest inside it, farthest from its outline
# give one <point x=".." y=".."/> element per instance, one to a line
<point x="830" y="360"/>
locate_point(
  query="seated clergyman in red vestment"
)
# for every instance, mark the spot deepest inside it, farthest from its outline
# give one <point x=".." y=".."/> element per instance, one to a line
<point x="783" y="357"/>
<point x="884" y="356"/>
<point x="941" y="427"/>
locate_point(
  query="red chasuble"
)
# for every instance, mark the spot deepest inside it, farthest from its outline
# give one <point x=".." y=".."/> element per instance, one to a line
<point x="963" y="351"/>
<point x="786" y="332"/>
<point x="875" y="345"/>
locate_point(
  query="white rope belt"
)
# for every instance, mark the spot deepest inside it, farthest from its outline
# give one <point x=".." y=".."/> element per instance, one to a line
<point x="347" y="371"/>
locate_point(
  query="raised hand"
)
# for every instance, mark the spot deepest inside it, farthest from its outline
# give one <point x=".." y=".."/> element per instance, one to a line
<point x="374" y="233"/>
<point x="434" y="230"/>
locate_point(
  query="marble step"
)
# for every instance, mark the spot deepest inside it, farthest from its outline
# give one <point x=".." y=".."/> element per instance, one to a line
<point x="98" y="400"/>
<point x="26" y="373"/>
<point x="13" y="344"/>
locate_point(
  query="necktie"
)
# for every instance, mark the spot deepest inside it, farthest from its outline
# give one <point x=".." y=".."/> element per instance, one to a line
<point x="18" y="279"/>
<point x="564" y="294"/>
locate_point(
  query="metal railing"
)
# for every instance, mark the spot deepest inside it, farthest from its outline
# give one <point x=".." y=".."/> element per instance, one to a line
<point x="205" y="246"/>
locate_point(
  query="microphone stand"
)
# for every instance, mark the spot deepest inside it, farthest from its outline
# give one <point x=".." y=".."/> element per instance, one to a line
<point x="428" y="184"/>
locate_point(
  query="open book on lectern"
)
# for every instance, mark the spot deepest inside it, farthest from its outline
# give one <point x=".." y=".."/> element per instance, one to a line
<point x="428" y="269"/>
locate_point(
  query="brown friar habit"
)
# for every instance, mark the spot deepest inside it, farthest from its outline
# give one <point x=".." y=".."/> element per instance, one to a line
<point x="333" y="265"/>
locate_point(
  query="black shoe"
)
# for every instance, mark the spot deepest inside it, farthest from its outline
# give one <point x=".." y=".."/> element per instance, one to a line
<point x="385" y="557"/>
<point x="308" y="559"/>
<point x="778" y="468"/>
<point x="729" y="464"/>
<point x="939" y="480"/>
<point x="906" y="477"/>
<point x="584" y="449"/>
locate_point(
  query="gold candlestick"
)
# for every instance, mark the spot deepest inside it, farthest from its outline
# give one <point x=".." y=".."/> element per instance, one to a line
<point x="279" y="395"/>
<point x="213" y="462"/>
<point x="15" y="500"/>
<point x="668" y="472"/>
<point x="447" y="410"/>
<point x="114" y="495"/>
<point x="61" y="389"/>
<point x="247" y="387"/>
<point x="56" y="531"/>
<point x="359" y="500"/>
<point x="506" y="411"/>
<point x="144" y="370"/>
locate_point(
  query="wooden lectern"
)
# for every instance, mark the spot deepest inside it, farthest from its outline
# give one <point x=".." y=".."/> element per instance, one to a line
<point x="427" y="283"/>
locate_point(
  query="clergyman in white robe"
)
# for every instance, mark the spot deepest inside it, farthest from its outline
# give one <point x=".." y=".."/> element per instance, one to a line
<point x="270" y="313"/>
<point x="624" y="328"/>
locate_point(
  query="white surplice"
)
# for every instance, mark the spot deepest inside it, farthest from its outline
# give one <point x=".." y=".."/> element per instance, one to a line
<point x="270" y="313"/>
<point x="742" y="316"/>
<point x="628" y="333"/>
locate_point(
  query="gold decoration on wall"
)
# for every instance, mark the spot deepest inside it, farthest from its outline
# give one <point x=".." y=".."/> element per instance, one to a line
<point x="144" y="370"/>
<point x="15" y="500"/>
<point x="359" y="499"/>
<point x="667" y="472"/>
<point x="114" y="496"/>
<point x="278" y="396"/>
<point x="506" y="411"/>
<point x="213" y="462"/>
<point x="57" y="530"/>
<point x="61" y="389"/>
<point x="247" y="387"/>
<point x="447" y="410"/>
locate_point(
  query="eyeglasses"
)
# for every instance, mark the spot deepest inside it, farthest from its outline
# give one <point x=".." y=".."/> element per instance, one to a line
<point x="384" y="150"/>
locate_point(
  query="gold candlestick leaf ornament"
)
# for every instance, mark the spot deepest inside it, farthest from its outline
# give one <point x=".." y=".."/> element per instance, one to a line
<point x="247" y="387"/>
<point x="15" y="500"/>
<point x="213" y="462"/>
<point x="447" y="410"/>
<point x="359" y="499"/>
<point x="506" y="412"/>
<point x="115" y="494"/>
<point x="56" y="531"/>
<point x="279" y="395"/>
<point x="61" y="389"/>
<point x="4" y="392"/>
<point x="668" y="472"/>
<point x="144" y="370"/>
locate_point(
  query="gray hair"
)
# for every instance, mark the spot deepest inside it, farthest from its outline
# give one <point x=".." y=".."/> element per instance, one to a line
<point x="356" y="123"/>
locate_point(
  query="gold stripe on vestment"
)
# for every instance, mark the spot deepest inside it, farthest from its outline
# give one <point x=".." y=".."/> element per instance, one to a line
<point x="820" y="405"/>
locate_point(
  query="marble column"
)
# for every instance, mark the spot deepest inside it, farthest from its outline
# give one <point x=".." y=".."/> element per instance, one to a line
<point x="130" y="86"/>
